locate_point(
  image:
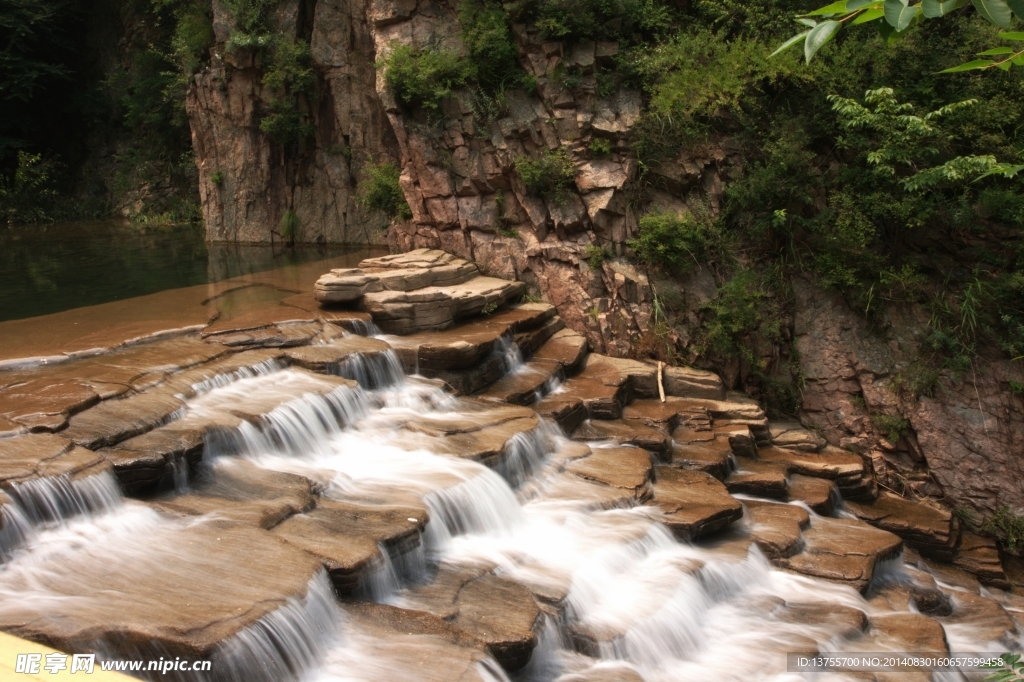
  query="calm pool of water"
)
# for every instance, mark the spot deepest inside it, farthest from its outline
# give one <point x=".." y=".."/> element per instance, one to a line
<point x="49" y="268"/>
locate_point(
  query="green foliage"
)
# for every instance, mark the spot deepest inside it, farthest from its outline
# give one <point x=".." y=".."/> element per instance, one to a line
<point x="193" y="31"/>
<point x="578" y="20"/>
<point x="381" y="191"/>
<point x="551" y="176"/>
<point x="674" y="242"/>
<point x="1016" y="387"/>
<point x="28" y="196"/>
<point x="425" y="78"/>
<point x="289" y="226"/>
<point x="744" y="308"/>
<point x="288" y="75"/>
<point x="252" y="23"/>
<point x="1008" y="527"/>
<point x="1009" y="669"/>
<point x="892" y="19"/>
<point x="893" y="427"/>
<point x="217" y="177"/>
<point x="487" y="35"/>
<point x="600" y="146"/>
<point x="595" y="256"/>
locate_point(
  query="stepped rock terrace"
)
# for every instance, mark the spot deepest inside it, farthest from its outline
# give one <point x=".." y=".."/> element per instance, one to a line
<point x="407" y="473"/>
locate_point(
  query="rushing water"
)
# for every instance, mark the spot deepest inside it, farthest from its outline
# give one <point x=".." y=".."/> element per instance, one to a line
<point x="650" y="604"/>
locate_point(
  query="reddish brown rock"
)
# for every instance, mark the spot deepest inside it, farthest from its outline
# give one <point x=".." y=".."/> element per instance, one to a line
<point x="692" y="503"/>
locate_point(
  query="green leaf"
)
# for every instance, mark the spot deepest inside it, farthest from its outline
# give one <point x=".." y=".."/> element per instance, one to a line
<point x="899" y="14"/>
<point x="789" y="43"/>
<point x="1017" y="35"/>
<point x="934" y="8"/>
<point x="1018" y="60"/>
<point x="1017" y="6"/>
<point x="834" y="8"/>
<point x="996" y="11"/>
<point x="869" y="15"/>
<point x="996" y="50"/>
<point x="969" y="66"/>
<point x="818" y="36"/>
<point x="807" y="22"/>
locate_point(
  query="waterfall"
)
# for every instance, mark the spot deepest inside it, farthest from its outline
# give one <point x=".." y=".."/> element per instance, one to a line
<point x="226" y="379"/>
<point x="372" y="370"/>
<point x="58" y="498"/>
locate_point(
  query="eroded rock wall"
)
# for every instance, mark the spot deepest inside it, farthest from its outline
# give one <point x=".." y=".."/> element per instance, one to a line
<point x="246" y="180"/>
<point x="964" y="444"/>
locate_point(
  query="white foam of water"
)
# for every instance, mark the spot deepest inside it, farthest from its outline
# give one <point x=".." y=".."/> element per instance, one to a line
<point x="373" y="370"/>
<point x="58" y="498"/>
<point x="221" y="380"/>
<point x="15" y="530"/>
<point x="287" y="643"/>
<point x="509" y="351"/>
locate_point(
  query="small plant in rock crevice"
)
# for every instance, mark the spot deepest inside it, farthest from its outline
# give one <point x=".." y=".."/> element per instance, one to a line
<point x="381" y="191"/>
<point x="551" y="176"/>
<point x="595" y="256"/>
<point x="892" y="427"/>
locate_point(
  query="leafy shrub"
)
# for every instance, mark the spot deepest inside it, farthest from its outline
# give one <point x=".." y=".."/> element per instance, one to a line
<point x="892" y="426"/>
<point x="288" y="75"/>
<point x="595" y="256"/>
<point x="424" y="78"/>
<point x="193" y="35"/>
<point x="1016" y="387"/>
<point x="578" y="20"/>
<point x="743" y="308"/>
<point x="600" y="146"/>
<point x="289" y="226"/>
<point x="1008" y="527"/>
<point x="487" y="35"/>
<point x="28" y="196"/>
<point x="550" y="176"/>
<point x="217" y="177"/>
<point x="672" y="241"/>
<point x="382" y="192"/>
<point x="252" y="23"/>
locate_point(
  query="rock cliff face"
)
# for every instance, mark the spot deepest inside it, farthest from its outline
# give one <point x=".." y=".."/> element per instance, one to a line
<point x="246" y="181"/>
<point x="962" y="444"/>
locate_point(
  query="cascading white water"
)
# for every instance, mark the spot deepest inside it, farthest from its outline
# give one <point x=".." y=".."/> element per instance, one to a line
<point x="377" y="370"/>
<point x="57" y="498"/>
<point x="633" y="596"/>
<point x="221" y="380"/>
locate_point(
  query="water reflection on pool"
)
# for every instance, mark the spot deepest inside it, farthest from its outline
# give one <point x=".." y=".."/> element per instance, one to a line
<point x="50" y="268"/>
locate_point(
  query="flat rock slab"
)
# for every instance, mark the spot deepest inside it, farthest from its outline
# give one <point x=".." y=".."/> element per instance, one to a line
<point x="246" y="493"/>
<point x="627" y="468"/>
<point x="712" y="456"/>
<point x="348" y="538"/>
<point x="689" y="382"/>
<point x="924" y="527"/>
<point x="204" y="377"/>
<point x="625" y="432"/>
<point x="437" y="308"/>
<point x="776" y="528"/>
<point x="531" y="340"/>
<point x="145" y="461"/>
<point x="565" y="347"/>
<point x="846" y="621"/>
<point x="43" y="455"/>
<point x="499" y="613"/>
<point x="762" y="479"/>
<point x="399" y="272"/>
<point x="816" y="493"/>
<point x="281" y="335"/>
<point x="568" y="411"/>
<point x="525" y="386"/>
<point x="980" y="556"/>
<point x="587" y="494"/>
<point x="793" y="436"/>
<point x="327" y="358"/>
<point x="602" y="401"/>
<point x="258" y="319"/>
<point x="458" y="348"/>
<point x="180" y="589"/>
<point x="115" y="420"/>
<point x="481" y="436"/>
<point x="987" y="619"/>
<point x="910" y="632"/>
<point x="693" y="503"/>
<point x="844" y="551"/>
<point x="833" y="463"/>
<point x="44" y="404"/>
<point x="407" y="645"/>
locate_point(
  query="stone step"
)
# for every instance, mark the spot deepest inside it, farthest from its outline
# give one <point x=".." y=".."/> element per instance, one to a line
<point x="563" y="408"/>
<point x="399" y="272"/>
<point x="500" y="613"/>
<point x="601" y="401"/>
<point x="626" y="432"/>
<point x="793" y="436"/>
<point x="31" y="457"/>
<point x="526" y="385"/>
<point x="464" y="346"/>
<point x="713" y="456"/>
<point x="437" y="308"/>
<point x="845" y="551"/>
<point x="761" y="479"/>
<point x="776" y="528"/>
<point x="980" y="556"/>
<point x="832" y="463"/>
<point x="565" y="347"/>
<point x="628" y="468"/>
<point x="817" y="493"/>
<point x="692" y="503"/>
<point x="932" y="531"/>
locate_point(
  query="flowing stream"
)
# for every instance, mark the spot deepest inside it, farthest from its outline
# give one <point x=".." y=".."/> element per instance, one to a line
<point x="657" y="609"/>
